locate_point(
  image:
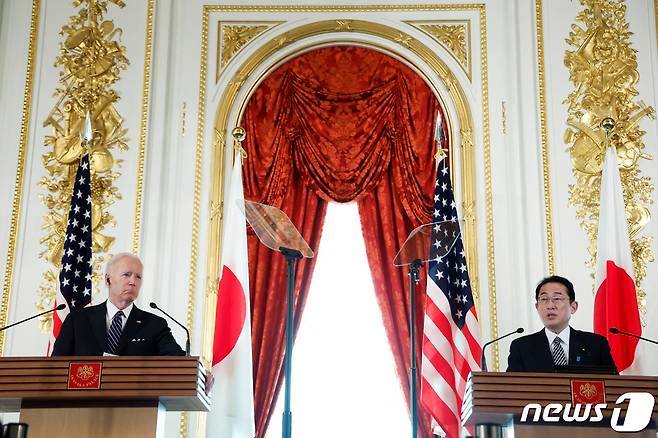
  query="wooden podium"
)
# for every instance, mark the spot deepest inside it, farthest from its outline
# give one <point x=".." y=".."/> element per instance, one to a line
<point x="492" y="400"/>
<point x="132" y="396"/>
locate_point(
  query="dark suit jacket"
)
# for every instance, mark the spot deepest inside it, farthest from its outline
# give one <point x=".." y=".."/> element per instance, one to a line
<point x="532" y="353"/>
<point x="84" y="333"/>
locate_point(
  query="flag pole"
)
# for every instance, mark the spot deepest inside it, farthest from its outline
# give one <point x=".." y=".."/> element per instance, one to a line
<point x="414" y="279"/>
<point x="276" y="231"/>
<point x="291" y="255"/>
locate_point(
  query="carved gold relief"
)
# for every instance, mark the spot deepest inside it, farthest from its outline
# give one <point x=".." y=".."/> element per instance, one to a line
<point x="543" y="127"/>
<point x="454" y="36"/>
<point x="603" y="68"/>
<point x="343" y="25"/>
<point x="233" y="36"/>
<point x="91" y="61"/>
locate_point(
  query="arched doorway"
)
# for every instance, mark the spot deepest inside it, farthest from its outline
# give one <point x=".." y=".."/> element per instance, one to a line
<point x="234" y="92"/>
<point x="340" y="123"/>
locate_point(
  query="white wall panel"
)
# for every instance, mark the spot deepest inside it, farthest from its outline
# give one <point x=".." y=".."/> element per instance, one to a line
<point x="14" y="42"/>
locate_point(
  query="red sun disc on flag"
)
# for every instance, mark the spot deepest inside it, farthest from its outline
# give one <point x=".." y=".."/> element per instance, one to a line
<point x="230" y="318"/>
<point x="616" y="292"/>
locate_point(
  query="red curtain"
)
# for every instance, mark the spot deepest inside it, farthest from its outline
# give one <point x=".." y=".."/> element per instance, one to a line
<point x="343" y="124"/>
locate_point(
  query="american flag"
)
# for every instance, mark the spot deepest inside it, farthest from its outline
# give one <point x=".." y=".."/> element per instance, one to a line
<point x="451" y="346"/>
<point x="75" y="273"/>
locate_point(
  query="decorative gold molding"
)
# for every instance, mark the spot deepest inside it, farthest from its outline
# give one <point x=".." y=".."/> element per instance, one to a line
<point x="603" y="69"/>
<point x="469" y="217"/>
<point x="194" y="251"/>
<point x="345" y="8"/>
<point x="182" y="430"/>
<point x="503" y="116"/>
<point x="20" y="168"/>
<point x="143" y="125"/>
<point x="454" y="35"/>
<point x="196" y="206"/>
<point x="491" y="254"/>
<point x="548" y="210"/>
<point x="232" y="36"/>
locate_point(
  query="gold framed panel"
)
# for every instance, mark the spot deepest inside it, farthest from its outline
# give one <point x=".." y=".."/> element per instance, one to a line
<point x="24" y="142"/>
<point x="266" y="53"/>
<point x="20" y="169"/>
<point x="269" y="49"/>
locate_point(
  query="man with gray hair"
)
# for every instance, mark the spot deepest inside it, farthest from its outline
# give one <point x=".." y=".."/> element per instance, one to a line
<point x="117" y="326"/>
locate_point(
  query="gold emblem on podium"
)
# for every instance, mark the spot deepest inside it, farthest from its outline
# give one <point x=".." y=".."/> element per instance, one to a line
<point x="587" y="392"/>
<point x="85" y="375"/>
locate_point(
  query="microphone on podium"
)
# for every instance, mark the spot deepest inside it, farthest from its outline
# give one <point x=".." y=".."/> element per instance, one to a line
<point x="187" y="342"/>
<point x="60" y="307"/>
<point x="616" y="331"/>
<point x="484" y="359"/>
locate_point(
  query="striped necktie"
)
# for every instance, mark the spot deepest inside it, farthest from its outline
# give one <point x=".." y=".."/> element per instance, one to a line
<point x="114" y="333"/>
<point x="559" y="358"/>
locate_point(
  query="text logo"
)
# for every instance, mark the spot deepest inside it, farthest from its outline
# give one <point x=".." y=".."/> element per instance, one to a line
<point x="637" y="417"/>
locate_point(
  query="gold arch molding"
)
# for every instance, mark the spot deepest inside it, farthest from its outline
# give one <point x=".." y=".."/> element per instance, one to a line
<point x="268" y="54"/>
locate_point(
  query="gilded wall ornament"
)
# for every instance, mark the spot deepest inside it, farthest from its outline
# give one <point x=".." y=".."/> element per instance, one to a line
<point x="91" y="60"/>
<point x="233" y="36"/>
<point x="603" y="69"/>
<point x="454" y="36"/>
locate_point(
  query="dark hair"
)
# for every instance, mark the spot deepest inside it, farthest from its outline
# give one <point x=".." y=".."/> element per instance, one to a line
<point x="557" y="279"/>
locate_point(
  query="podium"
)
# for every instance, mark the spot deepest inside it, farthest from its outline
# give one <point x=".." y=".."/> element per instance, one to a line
<point x="100" y="396"/>
<point x="495" y="400"/>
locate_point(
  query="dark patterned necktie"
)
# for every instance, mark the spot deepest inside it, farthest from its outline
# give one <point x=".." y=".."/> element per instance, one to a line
<point x="114" y="333"/>
<point x="559" y="358"/>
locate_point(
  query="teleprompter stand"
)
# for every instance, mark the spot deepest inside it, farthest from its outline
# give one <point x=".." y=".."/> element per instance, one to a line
<point x="275" y="230"/>
<point x="427" y="242"/>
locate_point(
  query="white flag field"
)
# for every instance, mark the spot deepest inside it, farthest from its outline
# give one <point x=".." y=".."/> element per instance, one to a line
<point x="615" y="302"/>
<point x="232" y="412"/>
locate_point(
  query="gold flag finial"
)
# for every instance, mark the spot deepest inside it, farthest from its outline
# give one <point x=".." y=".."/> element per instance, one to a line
<point x="88" y="133"/>
<point x="239" y="134"/>
<point x="608" y="125"/>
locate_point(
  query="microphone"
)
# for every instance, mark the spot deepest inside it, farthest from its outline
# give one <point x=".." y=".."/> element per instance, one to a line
<point x="484" y="359"/>
<point x="187" y="342"/>
<point x="616" y="331"/>
<point x="60" y="307"/>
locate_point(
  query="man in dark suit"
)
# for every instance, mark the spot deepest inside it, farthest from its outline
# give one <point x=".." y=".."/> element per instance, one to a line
<point x="117" y="326"/>
<point x="557" y="343"/>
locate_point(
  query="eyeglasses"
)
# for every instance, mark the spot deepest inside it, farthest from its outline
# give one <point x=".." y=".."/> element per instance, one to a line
<point x="555" y="300"/>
